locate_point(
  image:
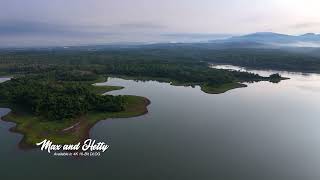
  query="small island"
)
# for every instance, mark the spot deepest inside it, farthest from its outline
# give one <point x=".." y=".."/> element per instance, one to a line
<point x="220" y="88"/>
<point x="62" y="111"/>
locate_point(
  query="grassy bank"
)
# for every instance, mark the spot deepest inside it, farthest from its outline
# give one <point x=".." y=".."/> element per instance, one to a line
<point x="35" y="129"/>
<point x="222" y="88"/>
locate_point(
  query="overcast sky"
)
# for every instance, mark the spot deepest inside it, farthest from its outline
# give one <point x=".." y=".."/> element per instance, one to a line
<point x="73" y="22"/>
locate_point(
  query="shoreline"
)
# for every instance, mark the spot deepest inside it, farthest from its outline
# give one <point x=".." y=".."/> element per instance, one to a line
<point x="83" y="126"/>
<point x="34" y="129"/>
<point x="267" y="69"/>
<point x="222" y="89"/>
<point x="219" y="89"/>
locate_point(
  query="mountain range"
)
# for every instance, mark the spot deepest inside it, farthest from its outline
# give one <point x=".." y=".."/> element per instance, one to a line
<point x="270" y="38"/>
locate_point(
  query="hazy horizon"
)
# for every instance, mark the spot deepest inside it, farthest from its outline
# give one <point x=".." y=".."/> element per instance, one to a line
<point x="80" y="22"/>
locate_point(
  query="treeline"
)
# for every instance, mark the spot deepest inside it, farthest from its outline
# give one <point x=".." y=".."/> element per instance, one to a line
<point x="74" y="75"/>
<point x="56" y="100"/>
<point x="182" y="67"/>
<point x="179" y="72"/>
<point x="277" y="59"/>
<point x="56" y="85"/>
<point x="266" y="59"/>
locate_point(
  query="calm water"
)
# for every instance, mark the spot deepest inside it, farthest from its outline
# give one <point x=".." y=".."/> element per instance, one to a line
<point x="4" y="79"/>
<point x="264" y="132"/>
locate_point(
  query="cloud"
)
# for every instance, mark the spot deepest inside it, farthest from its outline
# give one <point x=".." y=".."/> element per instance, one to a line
<point x="141" y="25"/>
<point x="27" y="28"/>
<point x="197" y="35"/>
<point x="20" y="28"/>
<point x="306" y="25"/>
<point x="36" y="33"/>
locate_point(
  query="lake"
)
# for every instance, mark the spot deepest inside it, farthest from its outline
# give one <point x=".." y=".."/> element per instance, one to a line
<point x="266" y="131"/>
<point x="4" y="79"/>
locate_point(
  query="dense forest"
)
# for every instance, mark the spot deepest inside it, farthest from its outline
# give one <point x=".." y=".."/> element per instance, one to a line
<point x="276" y="59"/>
<point x="67" y="65"/>
<point x="56" y="100"/>
<point x="57" y="84"/>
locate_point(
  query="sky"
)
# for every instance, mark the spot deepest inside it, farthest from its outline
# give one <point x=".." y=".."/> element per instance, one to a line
<point x="79" y="22"/>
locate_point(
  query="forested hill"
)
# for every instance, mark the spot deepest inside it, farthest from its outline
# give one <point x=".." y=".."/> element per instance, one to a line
<point x="290" y="59"/>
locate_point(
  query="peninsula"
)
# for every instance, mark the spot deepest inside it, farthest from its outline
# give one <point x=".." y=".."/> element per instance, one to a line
<point x="63" y="112"/>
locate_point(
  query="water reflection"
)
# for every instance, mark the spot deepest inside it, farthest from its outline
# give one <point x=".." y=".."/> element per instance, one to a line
<point x="4" y="79"/>
<point x="265" y="131"/>
<point x="260" y="72"/>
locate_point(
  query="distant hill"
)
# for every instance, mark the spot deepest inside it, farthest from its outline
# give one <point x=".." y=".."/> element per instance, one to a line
<point x="307" y="43"/>
<point x="270" y="38"/>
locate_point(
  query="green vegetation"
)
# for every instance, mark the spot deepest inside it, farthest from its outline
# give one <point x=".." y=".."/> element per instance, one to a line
<point x="104" y="89"/>
<point x="62" y="111"/>
<point x="57" y="100"/>
<point x="181" y="66"/>
<point x="52" y="95"/>
<point x="36" y="128"/>
<point x="221" y="88"/>
<point x="75" y="75"/>
<point x="270" y="59"/>
<point x="45" y="60"/>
